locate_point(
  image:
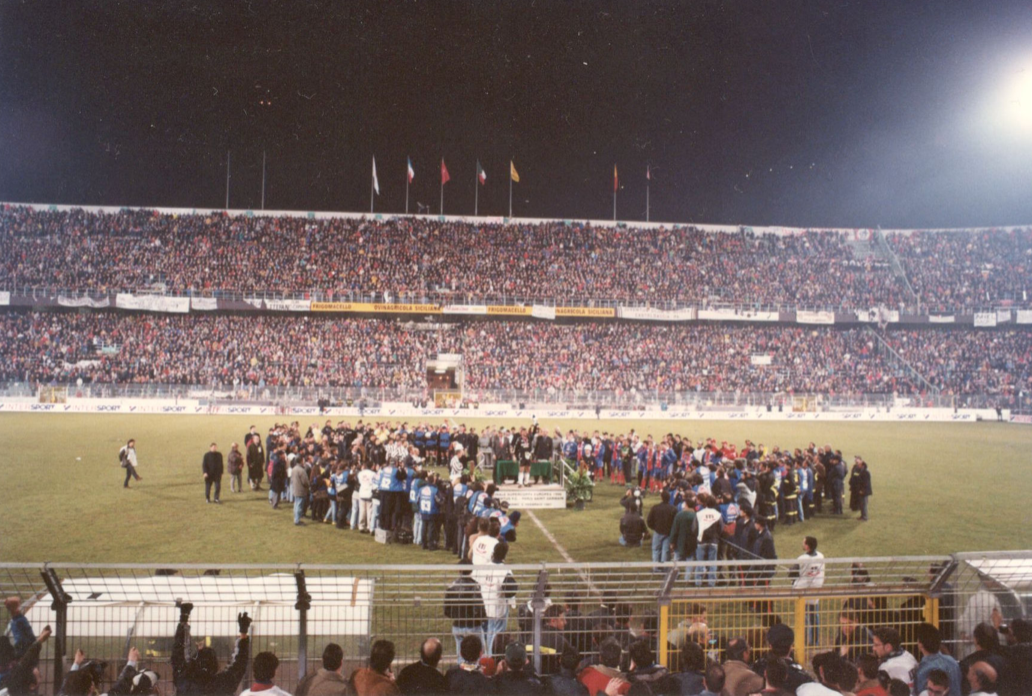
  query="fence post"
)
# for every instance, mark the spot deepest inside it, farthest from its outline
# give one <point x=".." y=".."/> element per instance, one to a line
<point x="663" y="600"/>
<point x="60" y="607"/>
<point x="304" y="603"/>
<point x="537" y="605"/>
<point x="800" y="629"/>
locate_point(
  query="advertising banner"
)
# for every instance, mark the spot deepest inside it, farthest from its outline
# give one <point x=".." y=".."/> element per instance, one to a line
<point x="815" y="317"/>
<point x="594" y="312"/>
<point x="375" y="308"/>
<point x="153" y="303"/>
<point x="94" y="302"/>
<point x="985" y="319"/>
<point x="204" y="304"/>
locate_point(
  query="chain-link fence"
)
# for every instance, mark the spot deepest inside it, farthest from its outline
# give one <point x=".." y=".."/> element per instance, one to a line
<point x="104" y="610"/>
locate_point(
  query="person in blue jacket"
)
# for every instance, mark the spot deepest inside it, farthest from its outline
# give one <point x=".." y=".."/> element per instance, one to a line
<point x="430" y="511"/>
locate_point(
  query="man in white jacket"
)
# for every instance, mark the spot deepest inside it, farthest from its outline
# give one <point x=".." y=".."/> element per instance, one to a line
<point x="498" y="588"/>
<point x="811" y="577"/>
<point x="264" y="671"/>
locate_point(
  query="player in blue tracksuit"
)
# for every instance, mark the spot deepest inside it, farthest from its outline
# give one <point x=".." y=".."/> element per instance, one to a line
<point x="419" y="440"/>
<point x="431" y="445"/>
<point x="382" y="512"/>
<point x="444" y="439"/>
<point x="429" y="511"/>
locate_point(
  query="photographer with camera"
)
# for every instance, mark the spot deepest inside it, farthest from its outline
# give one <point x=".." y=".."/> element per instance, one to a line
<point x="632" y="525"/>
<point x="195" y="669"/>
<point x="86" y="675"/>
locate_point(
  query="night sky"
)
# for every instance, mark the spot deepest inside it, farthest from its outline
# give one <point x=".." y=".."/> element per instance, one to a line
<point x="816" y="113"/>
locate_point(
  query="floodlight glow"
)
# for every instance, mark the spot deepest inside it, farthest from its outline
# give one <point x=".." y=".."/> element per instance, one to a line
<point x="1012" y="106"/>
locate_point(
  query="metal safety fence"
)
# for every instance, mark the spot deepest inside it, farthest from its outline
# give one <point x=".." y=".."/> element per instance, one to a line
<point x="104" y="610"/>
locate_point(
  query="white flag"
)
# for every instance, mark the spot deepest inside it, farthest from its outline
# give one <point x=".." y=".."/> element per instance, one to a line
<point x="376" y="183"/>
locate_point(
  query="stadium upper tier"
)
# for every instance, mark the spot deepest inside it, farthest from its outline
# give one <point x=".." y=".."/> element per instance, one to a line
<point x="620" y="359"/>
<point x="412" y="259"/>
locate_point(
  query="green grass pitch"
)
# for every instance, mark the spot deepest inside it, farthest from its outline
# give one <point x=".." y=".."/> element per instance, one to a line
<point x="938" y="488"/>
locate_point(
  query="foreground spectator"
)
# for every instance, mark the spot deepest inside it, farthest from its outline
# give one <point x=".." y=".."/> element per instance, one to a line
<point x="517" y="677"/>
<point x="376" y="679"/>
<point x="264" y="669"/>
<point x="467" y="677"/>
<point x="423" y="677"/>
<point x="328" y="680"/>
<point x="197" y="671"/>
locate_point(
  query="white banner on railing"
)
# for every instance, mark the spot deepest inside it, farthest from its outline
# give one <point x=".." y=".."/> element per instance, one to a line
<point x="153" y="303"/>
<point x="542" y="312"/>
<point x="815" y="317"/>
<point x="204" y="304"/>
<point x="941" y="318"/>
<point x="653" y="314"/>
<point x="1003" y="316"/>
<point x="1023" y="316"/>
<point x="985" y="318"/>
<point x="878" y="315"/>
<point x="94" y="302"/>
<point x="464" y="309"/>
<point x="736" y="315"/>
<point x="5" y="298"/>
<point x="289" y="305"/>
<point x="761" y="359"/>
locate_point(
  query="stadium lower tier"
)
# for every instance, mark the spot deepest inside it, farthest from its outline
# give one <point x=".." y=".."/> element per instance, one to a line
<point x="623" y="358"/>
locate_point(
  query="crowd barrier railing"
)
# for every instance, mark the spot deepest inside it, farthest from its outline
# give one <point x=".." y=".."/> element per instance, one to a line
<point x="104" y="609"/>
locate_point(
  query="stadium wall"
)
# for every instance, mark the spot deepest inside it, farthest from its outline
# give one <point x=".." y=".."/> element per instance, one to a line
<point x="393" y="411"/>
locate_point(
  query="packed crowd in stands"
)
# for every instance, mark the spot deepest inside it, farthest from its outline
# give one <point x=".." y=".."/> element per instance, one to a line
<point x="624" y="358"/>
<point x="410" y="258"/>
<point x="952" y="270"/>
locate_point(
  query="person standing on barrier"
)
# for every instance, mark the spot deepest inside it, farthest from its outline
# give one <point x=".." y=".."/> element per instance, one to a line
<point x="196" y="671"/>
<point x="811" y="577"/>
<point x="212" y="468"/>
<point x="464" y="605"/>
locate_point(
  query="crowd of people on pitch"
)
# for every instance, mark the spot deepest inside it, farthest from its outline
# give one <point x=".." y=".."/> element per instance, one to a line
<point x="951" y="270"/>
<point x="411" y="259"/>
<point x="582" y="651"/>
<point x="374" y="477"/>
<point x="632" y="360"/>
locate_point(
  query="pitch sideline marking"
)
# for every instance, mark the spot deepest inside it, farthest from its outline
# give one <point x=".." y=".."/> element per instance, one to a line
<point x="562" y="552"/>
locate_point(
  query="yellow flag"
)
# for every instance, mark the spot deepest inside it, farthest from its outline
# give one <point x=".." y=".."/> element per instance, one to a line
<point x="512" y="172"/>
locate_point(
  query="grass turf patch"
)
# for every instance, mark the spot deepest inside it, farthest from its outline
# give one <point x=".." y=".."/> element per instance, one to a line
<point x="938" y="488"/>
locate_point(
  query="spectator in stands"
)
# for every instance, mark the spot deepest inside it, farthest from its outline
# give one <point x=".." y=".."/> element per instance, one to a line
<point x="936" y="683"/>
<point x="85" y="675"/>
<point x="739" y="679"/>
<point x="643" y="666"/>
<point x="376" y="679"/>
<point x="692" y="676"/>
<point x="988" y="650"/>
<point x="776" y="675"/>
<point x="714" y="681"/>
<point x="781" y="639"/>
<point x="18" y="627"/>
<point x="264" y="670"/>
<point x="328" y="680"/>
<point x="467" y="677"/>
<point x="565" y="683"/>
<point x="605" y="676"/>
<point x="517" y="677"/>
<point x="19" y="673"/>
<point x="196" y="671"/>
<point x="423" y="677"/>
<point x="867" y="663"/>
<point x="896" y="662"/>
<point x="929" y="645"/>
<point x="1019" y="653"/>
<point x="982" y="679"/>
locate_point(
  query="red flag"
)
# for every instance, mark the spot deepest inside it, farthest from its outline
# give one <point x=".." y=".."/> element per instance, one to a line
<point x="616" y="180"/>
<point x="444" y="173"/>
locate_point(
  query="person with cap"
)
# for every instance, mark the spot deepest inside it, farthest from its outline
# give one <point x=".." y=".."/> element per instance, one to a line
<point x="197" y="671"/>
<point x="781" y="639"/>
<point x="211" y="468"/>
<point x="264" y="672"/>
<point x="518" y="676"/>
<point x="423" y="677"/>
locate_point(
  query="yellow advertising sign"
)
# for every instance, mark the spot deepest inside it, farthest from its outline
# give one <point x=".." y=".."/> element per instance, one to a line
<point x="585" y="312"/>
<point x="373" y="308"/>
<point x="510" y="310"/>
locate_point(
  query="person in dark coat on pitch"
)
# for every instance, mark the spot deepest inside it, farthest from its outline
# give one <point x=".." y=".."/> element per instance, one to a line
<point x="212" y="468"/>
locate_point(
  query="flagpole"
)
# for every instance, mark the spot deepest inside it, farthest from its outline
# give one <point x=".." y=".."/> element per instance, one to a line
<point x="442" y="195"/>
<point x="476" y="187"/>
<point x="263" y="179"/>
<point x="510" y="189"/>
<point x="406" y="189"/>
<point x="228" y="162"/>
<point x="646" y="202"/>
<point x="372" y="189"/>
